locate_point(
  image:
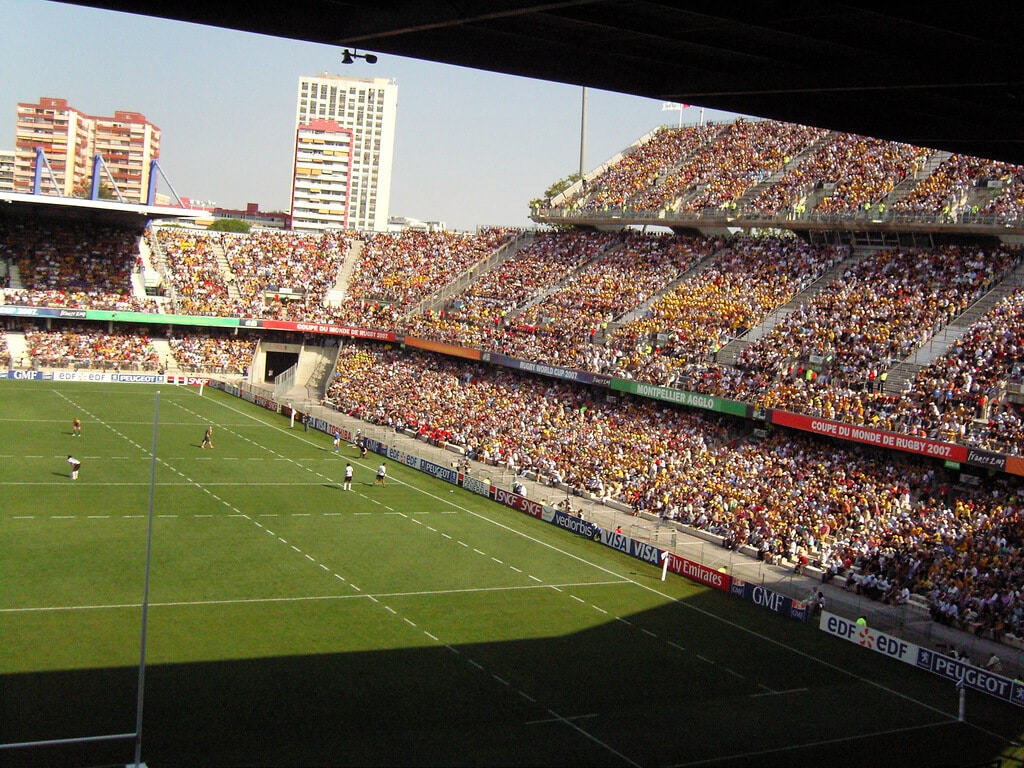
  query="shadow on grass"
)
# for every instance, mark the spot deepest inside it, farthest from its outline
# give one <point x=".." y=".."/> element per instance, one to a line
<point x="666" y="687"/>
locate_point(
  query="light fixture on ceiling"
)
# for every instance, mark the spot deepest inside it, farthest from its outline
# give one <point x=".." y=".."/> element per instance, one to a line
<point x="349" y="57"/>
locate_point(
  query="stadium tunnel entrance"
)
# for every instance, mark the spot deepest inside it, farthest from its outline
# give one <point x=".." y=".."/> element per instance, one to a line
<point x="278" y="362"/>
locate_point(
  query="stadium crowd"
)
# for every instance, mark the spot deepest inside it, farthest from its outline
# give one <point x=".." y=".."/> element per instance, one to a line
<point x="395" y="272"/>
<point x="859" y="171"/>
<point x="891" y="526"/>
<point x="71" y="265"/>
<point x="949" y="187"/>
<point x="76" y="346"/>
<point x="689" y="324"/>
<point x="641" y="167"/>
<point x="775" y="168"/>
<point x="285" y="275"/>
<point x="200" y="285"/>
<point x="477" y="315"/>
<point x="213" y="352"/>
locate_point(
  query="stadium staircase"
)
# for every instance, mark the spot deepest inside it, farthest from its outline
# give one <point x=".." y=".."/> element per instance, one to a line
<point x="554" y="288"/>
<point x="816" y="194"/>
<point x="17" y="347"/>
<point x="337" y="294"/>
<point x="751" y="194"/>
<point x="162" y="347"/>
<point x="730" y="352"/>
<point x="313" y="374"/>
<point x="906" y="370"/>
<point x="138" y="285"/>
<point x="150" y="277"/>
<point x="910" y="183"/>
<point x="980" y="196"/>
<point x="667" y="171"/>
<point x="225" y="270"/>
<point x="639" y="312"/>
<point x="443" y="297"/>
<point x="15" y="274"/>
<point x="159" y="259"/>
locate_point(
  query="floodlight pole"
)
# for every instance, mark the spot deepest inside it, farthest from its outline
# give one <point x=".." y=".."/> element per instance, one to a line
<point x="583" y="135"/>
<point x="145" y="590"/>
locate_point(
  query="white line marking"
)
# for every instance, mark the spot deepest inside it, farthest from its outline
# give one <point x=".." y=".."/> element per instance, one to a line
<point x="777" y="693"/>
<point x="568" y="717"/>
<point x="861" y="736"/>
<point x="243" y="601"/>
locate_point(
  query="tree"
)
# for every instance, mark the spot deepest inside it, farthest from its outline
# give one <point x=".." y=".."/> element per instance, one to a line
<point x="230" y="225"/>
<point x="555" y="189"/>
<point x="83" y="189"/>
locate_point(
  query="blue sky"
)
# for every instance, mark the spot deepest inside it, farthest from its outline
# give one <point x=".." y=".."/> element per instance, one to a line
<point x="472" y="148"/>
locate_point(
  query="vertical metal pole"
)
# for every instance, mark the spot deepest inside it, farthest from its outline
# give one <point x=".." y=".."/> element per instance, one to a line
<point x="963" y="700"/>
<point x="145" y="590"/>
<point x="583" y="134"/>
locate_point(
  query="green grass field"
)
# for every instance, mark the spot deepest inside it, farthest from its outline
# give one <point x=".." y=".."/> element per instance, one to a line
<point x="293" y="623"/>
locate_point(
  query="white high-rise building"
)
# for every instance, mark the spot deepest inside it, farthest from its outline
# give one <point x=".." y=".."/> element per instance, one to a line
<point x="344" y="150"/>
<point x="6" y="170"/>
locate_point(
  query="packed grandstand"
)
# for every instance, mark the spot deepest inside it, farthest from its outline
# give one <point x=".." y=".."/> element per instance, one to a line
<point x="841" y="384"/>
